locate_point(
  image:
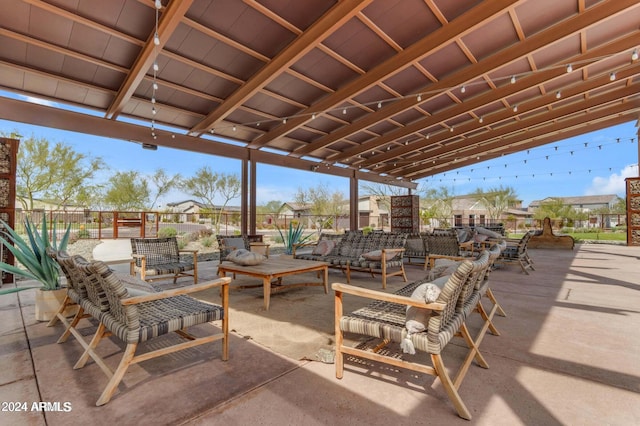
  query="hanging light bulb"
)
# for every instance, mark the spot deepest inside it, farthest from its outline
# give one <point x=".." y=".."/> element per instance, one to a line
<point x="313" y="116"/>
<point x="634" y="55"/>
<point x="344" y="111"/>
<point x="612" y="76"/>
<point x="513" y="79"/>
<point x="153" y="100"/>
<point x="155" y="86"/>
<point x="515" y="108"/>
<point x="153" y="110"/>
<point x="481" y="120"/>
<point x="155" y="66"/>
<point x="419" y="97"/>
<point x="463" y="89"/>
<point x="284" y="121"/>
<point x="234" y="128"/>
<point x="379" y="105"/>
<point x="569" y="68"/>
<point x="558" y="94"/>
<point x="158" y="4"/>
<point x="156" y="39"/>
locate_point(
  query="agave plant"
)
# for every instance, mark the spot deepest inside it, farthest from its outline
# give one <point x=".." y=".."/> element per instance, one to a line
<point x="293" y="236"/>
<point x="33" y="254"/>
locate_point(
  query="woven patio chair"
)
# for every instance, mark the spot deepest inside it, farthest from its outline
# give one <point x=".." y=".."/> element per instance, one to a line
<point x="137" y="319"/>
<point x="516" y="252"/>
<point x="384" y="319"/>
<point x="158" y="258"/>
<point x="229" y="243"/>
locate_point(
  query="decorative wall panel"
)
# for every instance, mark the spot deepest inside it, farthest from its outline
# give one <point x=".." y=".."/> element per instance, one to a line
<point x="405" y="213"/>
<point x="633" y="211"/>
<point x="8" y="159"/>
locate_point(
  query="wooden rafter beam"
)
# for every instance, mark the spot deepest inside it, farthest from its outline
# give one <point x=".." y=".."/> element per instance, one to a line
<point x="307" y="41"/>
<point x="167" y="24"/>
<point x="465" y="23"/>
<point x="536" y="42"/>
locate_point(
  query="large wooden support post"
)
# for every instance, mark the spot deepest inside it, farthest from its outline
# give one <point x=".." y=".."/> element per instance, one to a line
<point x="244" y="197"/>
<point x="354" y="212"/>
<point x="252" y="198"/>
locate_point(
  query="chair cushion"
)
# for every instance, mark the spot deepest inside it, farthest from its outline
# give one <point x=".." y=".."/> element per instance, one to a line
<point x="324" y="247"/>
<point x="417" y="318"/>
<point x="234" y="243"/>
<point x="489" y="233"/>
<point x="480" y="238"/>
<point x="377" y="255"/>
<point x="245" y="257"/>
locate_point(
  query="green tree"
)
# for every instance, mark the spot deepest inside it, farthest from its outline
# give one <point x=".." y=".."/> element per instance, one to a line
<point x="438" y="204"/>
<point x="270" y="209"/>
<point x="55" y="172"/>
<point x="206" y="186"/>
<point x="496" y="200"/>
<point x="554" y="209"/>
<point x="323" y="204"/>
<point x="127" y="191"/>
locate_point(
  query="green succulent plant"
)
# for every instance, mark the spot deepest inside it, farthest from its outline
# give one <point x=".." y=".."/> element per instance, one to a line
<point x="293" y="236"/>
<point x="32" y="254"/>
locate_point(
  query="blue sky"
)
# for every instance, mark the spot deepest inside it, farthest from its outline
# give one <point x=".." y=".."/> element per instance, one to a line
<point x="564" y="168"/>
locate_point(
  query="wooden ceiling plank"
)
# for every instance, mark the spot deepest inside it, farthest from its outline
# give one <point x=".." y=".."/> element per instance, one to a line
<point x="536" y="122"/>
<point x="553" y="133"/>
<point x="167" y="24"/>
<point x="61" y="50"/>
<point x="536" y="42"/>
<point x="434" y="41"/>
<point x="307" y="41"/>
<point x="581" y="61"/>
<point x="84" y="21"/>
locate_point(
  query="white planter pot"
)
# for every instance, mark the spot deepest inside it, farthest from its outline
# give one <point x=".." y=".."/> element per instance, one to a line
<point x="48" y="302"/>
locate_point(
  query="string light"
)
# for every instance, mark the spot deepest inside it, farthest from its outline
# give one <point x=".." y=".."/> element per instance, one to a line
<point x="513" y="79"/>
<point x="612" y="76"/>
<point x="558" y="94"/>
<point x="634" y="55"/>
<point x="463" y="89"/>
<point x="569" y="68"/>
<point x="156" y="68"/>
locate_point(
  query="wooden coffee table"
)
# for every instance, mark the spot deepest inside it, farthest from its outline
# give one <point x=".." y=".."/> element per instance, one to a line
<point x="275" y="268"/>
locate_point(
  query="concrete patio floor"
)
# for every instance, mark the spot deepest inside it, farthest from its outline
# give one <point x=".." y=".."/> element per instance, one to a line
<point x="568" y="353"/>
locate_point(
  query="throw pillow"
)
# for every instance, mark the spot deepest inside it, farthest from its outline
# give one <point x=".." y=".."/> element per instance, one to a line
<point x="324" y="247"/>
<point x="417" y="318"/>
<point x="245" y="257"/>
<point x="233" y="243"/>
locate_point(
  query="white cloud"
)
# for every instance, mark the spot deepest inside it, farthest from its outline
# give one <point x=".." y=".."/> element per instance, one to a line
<point x="614" y="183"/>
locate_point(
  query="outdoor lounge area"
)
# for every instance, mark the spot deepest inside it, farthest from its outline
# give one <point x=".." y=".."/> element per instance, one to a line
<point x="567" y="354"/>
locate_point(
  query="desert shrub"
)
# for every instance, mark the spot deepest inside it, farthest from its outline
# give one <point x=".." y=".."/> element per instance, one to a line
<point x="206" y="232"/>
<point x="167" y="232"/>
<point x="207" y="241"/>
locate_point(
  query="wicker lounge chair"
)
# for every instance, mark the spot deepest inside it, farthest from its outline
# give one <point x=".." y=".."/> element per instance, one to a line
<point x="158" y="258"/>
<point x="139" y="318"/>
<point x="516" y="252"/>
<point x="384" y="319"/>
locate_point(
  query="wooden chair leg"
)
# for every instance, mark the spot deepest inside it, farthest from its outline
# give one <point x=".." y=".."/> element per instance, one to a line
<point x="74" y="322"/>
<point x="339" y="358"/>
<point x="487" y="317"/>
<point x="111" y="387"/>
<point x="451" y="390"/>
<point x="89" y="350"/>
<point x="474" y="353"/>
<point x="491" y="297"/>
<point x="66" y="302"/>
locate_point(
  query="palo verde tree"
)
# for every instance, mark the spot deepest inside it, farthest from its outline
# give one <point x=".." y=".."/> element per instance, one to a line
<point x="496" y="200"/>
<point x="55" y="172"/>
<point x="127" y="191"/>
<point x="162" y="183"/>
<point x="323" y="204"/>
<point x="207" y="186"/>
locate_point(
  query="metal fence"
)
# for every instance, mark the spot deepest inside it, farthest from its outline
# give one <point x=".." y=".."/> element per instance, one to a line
<point x="92" y="224"/>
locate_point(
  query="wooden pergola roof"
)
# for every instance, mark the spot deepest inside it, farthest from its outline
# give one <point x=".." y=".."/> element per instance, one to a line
<point x="382" y="90"/>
